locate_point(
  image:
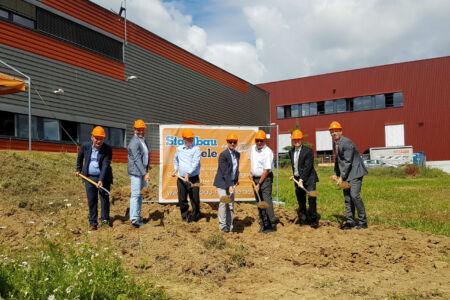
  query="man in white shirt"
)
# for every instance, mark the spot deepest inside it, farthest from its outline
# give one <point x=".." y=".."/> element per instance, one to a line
<point x="261" y="165"/>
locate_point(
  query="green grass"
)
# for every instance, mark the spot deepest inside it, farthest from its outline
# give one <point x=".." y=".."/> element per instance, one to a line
<point x="391" y="198"/>
<point x="33" y="180"/>
<point x="69" y="272"/>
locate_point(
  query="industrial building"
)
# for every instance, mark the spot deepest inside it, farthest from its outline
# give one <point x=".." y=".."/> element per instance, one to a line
<point x="401" y="104"/>
<point x="89" y="66"/>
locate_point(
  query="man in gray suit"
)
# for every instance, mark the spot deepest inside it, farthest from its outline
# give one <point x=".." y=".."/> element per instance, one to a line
<point x="138" y="163"/>
<point x="349" y="167"/>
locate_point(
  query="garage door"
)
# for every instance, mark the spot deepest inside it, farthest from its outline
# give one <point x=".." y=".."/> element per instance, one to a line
<point x="394" y="135"/>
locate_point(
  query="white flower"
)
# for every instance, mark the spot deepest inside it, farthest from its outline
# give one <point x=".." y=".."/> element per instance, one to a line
<point x="69" y="204"/>
<point x="51" y="297"/>
<point x="89" y="274"/>
<point x="68" y="290"/>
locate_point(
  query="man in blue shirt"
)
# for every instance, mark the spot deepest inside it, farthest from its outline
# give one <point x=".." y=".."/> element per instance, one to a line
<point x="94" y="161"/>
<point x="186" y="165"/>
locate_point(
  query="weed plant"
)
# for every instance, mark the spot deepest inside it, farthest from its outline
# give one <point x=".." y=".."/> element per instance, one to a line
<point x="75" y="273"/>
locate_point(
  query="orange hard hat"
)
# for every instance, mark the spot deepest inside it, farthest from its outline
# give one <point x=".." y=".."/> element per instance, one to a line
<point x="335" y="125"/>
<point x="187" y="134"/>
<point x="297" y="134"/>
<point x="260" y="135"/>
<point x="98" y="131"/>
<point x="139" y="124"/>
<point x="232" y="137"/>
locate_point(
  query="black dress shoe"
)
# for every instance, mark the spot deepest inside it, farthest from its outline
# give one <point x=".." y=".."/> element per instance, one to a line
<point x="314" y="224"/>
<point x="347" y="225"/>
<point x="361" y="226"/>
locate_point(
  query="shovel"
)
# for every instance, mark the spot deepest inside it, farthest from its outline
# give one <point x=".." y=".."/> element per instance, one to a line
<point x="94" y="183"/>
<point x="190" y="184"/>
<point x="227" y="198"/>
<point x="344" y="185"/>
<point x="261" y="204"/>
<point x="314" y="194"/>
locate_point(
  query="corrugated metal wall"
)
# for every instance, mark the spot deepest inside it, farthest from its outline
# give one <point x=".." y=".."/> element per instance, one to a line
<point x="425" y="86"/>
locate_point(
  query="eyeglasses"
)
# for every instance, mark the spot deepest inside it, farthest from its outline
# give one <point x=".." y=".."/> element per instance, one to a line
<point x="232" y="142"/>
<point x="259" y="141"/>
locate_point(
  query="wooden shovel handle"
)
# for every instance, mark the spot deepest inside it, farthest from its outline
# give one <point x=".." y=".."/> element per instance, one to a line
<point x="93" y="182"/>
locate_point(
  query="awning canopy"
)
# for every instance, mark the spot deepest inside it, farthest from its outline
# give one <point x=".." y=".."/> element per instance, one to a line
<point x="11" y="85"/>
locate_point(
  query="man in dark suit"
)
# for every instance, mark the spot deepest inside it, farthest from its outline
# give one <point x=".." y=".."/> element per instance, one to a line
<point x="302" y="163"/>
<point x="349" y="167"/>
<point x="94" y="162"/>
<point x="227" y="177"/>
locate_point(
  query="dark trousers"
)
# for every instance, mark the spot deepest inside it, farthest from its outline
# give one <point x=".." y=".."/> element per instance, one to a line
<point x="184" y="189"/>
<point x="92" y="193"/>
<point x="306" y="215"/>
<point x="265" y="194"/>
<point x="352" y="199"/>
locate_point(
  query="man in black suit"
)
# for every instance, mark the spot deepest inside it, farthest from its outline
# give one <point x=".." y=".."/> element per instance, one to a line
<point x="302" y="162"/>
<point x="227" y="177"/>
<point x="94" y="162"/>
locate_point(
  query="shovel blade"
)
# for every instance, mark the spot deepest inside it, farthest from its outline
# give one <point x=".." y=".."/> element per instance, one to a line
<point x="225" y="199"/>
<point x="314" y="194"/>
<point x="262" y="204"/>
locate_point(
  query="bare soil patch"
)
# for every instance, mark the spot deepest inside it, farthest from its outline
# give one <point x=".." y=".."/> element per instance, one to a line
<point x="196" y="261"/>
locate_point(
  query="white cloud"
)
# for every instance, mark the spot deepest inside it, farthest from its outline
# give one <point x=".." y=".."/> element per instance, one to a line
<point x="238" y="58"/>
<point x="300" y="38"/>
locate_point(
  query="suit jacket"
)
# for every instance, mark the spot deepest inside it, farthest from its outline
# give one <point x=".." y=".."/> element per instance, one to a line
<point x="224" y="176"/>
<point x="104" y="161"/>
<point x="305" y="165"/>
<point x="348" y="163"/>
<point x="136" y="157"/>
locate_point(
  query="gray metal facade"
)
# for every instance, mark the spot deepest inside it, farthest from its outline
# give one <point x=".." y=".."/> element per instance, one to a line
<point x="164" y="92"/>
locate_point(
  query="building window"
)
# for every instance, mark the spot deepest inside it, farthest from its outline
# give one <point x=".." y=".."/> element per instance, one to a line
<point x="389" y="100"/>
<point x="280" y="112"/>
<point x="313" y="109"/>
<point x="398" y="99"/>
<point x="329" y="107"/>
<point x="85" y="133"/>
<point x="22" y="126"/>
<point x="305" y="109"/>
<point x="349" y="103"/>
<point x="287" y="111"/>
<point x="116" y="137"/>
<point x="295" y="110"/>
<point x="69" y="131"/>
<point x="23" y="21"/>
<point x="379" y="101"/>
<point x="362" y="103"/>
<point x="77" y="34"/>
<point x="340" y="105"/>
<point x="50" y="129"/>
<point x="320" y="108"/>
<point x="7" y="123"/>
<point x="4" y="14"/>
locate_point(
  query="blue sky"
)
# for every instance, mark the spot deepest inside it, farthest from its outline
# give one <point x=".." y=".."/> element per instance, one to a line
<point x="270" y="40"/>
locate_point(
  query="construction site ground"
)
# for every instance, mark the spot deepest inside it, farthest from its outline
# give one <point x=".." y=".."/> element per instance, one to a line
<point x="197" y="261"/>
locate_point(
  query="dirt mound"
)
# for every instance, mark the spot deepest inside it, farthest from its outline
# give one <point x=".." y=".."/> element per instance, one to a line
<point x="196" y="260"/>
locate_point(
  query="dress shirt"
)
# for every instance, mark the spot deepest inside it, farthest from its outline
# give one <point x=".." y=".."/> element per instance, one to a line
<point x="296" y="156"/>
<point x="93" y="164"/>
<point x="145" y="162"/>
<point x="234" y="161"/>
<point x="187" y="160"/>
<point x="260" y="160"/>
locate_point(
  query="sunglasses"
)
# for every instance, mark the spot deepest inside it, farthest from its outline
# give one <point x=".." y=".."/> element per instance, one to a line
<point x="232" y="142"/>
<point x="259" y="141"/>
